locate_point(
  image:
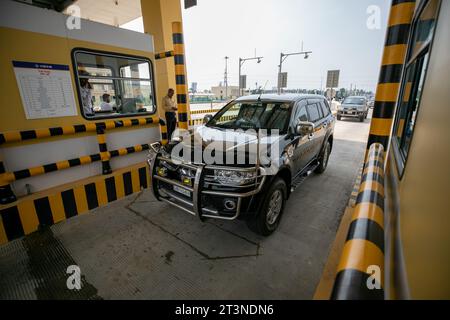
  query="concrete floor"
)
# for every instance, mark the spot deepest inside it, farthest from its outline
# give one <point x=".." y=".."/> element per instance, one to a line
<point x="138" y="248"/>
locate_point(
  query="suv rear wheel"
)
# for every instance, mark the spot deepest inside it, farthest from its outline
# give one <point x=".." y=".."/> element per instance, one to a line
<point x="268" y="219"/>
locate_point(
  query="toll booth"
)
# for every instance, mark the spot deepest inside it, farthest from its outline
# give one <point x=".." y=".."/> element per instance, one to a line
<point x="80" y="107"/>
<point x="397" y="243"/>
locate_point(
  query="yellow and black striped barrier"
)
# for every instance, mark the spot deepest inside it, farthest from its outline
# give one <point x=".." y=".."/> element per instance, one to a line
<point x="45" y="209"/>
<point x="18" y="136"/>
<point x="360" y="273"/>
<point x="395" y="48"/>
<point x="6" y="193"/>
<point x="196" y="122"/>
<point x="8" y="177"/>
<point x="163" y="55"/>
<point x="205" y="111"/>
<point x="180" y="75"/>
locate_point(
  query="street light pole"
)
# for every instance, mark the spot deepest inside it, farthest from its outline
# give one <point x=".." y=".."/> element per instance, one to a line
<point x="283" y="56"/>
<point x="279" y="72"/>
<point x="226" y="78"/>
<point x="241" y="62"/>
<point x="240" y="65"/>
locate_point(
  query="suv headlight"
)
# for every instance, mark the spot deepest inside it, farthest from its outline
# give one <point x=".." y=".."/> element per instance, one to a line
<point x="233" y="177"/>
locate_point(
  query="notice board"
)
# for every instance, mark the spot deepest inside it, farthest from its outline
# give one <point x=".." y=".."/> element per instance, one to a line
<point x="46" y="89"/>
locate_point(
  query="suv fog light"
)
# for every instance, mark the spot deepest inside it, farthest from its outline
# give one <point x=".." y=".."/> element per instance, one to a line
<point x="229" y="204"/>
<point x="186" y="180"/>
<point x="161" y="171"/>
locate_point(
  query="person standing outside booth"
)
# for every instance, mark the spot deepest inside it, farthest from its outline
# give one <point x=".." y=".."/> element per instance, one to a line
<point x="170" y="107"/>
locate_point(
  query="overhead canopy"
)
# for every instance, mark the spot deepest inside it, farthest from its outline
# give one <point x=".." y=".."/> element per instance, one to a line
<point x="58" y="5"/>
<point x="112" y="12"/>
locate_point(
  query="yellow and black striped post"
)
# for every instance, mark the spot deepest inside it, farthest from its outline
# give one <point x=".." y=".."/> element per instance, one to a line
<point x="399" y="24"/>
<point x="363" y="250"/>
<point x="163" y="55"/>
<point x="104" y="154"/>
<point x="163" y="129"/>
<point x="6" y="193"/>
<point x="180" y="75"/>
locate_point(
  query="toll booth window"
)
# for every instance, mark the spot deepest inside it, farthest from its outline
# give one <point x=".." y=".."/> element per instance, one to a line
<point x="413" y="82"/>
<point x="113" y="85"/>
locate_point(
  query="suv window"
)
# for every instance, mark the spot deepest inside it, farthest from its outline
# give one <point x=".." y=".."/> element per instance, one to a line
<point x="313" y="111"/>
<point x="302" y="115"/>
<point x="253" y="115"/>
<point x="325" y="108"/>
<point x="113" y="86"/>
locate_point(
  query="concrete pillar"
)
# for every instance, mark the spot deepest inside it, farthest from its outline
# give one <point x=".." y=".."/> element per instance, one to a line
<point x="158" y="16"/>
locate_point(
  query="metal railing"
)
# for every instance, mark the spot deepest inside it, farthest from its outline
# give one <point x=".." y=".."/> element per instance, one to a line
<point x="360" y="273"/>
<point x="104" y="155"/>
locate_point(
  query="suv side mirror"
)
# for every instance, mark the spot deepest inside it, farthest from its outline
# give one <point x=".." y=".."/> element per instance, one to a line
<point x="304" y="128"/>
<point x="207" y="118"/>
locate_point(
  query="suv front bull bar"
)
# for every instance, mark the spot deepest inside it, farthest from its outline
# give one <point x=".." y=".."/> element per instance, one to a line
<point x="197" y="190"/>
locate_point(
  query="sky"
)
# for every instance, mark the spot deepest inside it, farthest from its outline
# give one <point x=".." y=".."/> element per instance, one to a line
<point x="336" y="31"/>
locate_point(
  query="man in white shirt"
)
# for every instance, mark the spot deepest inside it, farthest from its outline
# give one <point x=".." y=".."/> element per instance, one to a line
<point x="106" y="103"/>
<point x="86" y="97"/>
<point x="170" y="107"/>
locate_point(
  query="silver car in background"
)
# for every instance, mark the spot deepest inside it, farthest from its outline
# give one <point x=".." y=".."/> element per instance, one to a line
<point x="354" y="107"/>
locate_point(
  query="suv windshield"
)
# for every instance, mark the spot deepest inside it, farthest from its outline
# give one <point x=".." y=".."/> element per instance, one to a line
<point x="253" y="115"/>
<point x="354" y="100"/>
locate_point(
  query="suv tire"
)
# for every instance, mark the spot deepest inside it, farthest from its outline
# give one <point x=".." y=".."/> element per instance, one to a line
<point x="361" y="118"/>
<point x="268" y="218"/>
<point x="339" y="118"/>
<point x="323" y="158"/>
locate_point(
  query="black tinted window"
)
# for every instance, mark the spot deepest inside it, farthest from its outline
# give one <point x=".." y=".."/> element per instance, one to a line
<point x="325" y="109"/>
<point x="313" y="112"/>
<point x="302" y="115"/>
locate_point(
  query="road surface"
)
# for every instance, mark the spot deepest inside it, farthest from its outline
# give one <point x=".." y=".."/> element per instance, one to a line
<point x="138" y="248"/>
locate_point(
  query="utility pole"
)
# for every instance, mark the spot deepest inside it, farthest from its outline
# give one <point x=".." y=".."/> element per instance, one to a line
<point x="241" y="62"/>
<point x="283" y="56"/>
<point x="226" y="78"/>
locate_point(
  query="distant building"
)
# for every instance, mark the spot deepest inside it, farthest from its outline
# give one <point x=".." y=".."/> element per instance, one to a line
<point x="219" y="92"/>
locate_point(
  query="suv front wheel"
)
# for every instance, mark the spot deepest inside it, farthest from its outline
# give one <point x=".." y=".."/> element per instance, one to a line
<point x="267" y="220"/>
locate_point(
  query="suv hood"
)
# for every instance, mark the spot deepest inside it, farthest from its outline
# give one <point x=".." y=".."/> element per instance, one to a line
<point x="226" y="141"/>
